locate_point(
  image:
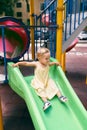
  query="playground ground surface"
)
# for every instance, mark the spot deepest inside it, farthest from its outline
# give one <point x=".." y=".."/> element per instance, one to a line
<point x="14" y="110"/>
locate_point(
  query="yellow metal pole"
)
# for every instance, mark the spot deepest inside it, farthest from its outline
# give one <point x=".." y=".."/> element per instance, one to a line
<point x="86" y="79"/>
<point x="60" y="9"/>
<point x="1" y="122"/>
<point x="63" y="61"/>
<point x="32" y="29"/>
<point x="63" y="64"/>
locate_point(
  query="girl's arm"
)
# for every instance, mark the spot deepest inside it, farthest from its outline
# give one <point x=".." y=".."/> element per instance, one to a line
<point x="54" y="63"/>
<point x="24" y="63"/>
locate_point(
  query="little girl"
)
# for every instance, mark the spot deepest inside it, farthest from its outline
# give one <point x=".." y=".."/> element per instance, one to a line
<point x="44" y="86"/>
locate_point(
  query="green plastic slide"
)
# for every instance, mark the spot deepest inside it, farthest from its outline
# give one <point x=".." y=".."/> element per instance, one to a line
<point x="60" y="116"/>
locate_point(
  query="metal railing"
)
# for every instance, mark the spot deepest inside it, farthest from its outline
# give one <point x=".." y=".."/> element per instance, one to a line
<point x="75" y="13"/>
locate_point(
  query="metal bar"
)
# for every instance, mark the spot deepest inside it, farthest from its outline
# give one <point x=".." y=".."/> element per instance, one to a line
<point x="59" y="30"/>
<point x="32" y="24"/>
<point x="1" y="119"/>
<point x="4" y="49"/>
<point x="83" y="9"/>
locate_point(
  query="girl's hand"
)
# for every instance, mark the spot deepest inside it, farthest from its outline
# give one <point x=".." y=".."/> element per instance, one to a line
<point x="54" y="63"/>
<point x="15" y="65"/>
<point x="57" y="64"/>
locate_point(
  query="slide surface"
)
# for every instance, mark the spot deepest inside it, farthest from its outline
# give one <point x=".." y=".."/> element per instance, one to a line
<point x="60" y="116"/>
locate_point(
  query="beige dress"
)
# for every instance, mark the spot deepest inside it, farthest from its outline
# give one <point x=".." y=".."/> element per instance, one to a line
<point x="43" y="85"/>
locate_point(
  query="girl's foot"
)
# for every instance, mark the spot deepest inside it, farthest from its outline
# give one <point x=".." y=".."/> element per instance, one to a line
<point x="46" y="105"/>
<point x="63" y="98"/>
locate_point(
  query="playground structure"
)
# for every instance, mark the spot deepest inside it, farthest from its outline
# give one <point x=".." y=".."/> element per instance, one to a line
<point x="79" y="124"/>
<point x="15" y="38"/>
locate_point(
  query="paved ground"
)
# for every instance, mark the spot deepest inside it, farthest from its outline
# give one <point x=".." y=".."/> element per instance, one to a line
<point x="76" y="66"/>
<point x="15" y="113"/>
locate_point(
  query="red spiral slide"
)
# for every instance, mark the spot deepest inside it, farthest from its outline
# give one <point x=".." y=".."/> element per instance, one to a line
<point x="16" y="38"/>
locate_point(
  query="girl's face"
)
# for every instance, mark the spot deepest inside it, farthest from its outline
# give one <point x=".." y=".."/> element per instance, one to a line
<point x="44" y="59"/>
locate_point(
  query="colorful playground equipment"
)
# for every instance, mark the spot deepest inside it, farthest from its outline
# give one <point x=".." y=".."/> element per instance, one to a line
<point x="64" y="116"/>
<point x="14" y="41"/>
<point x="70" y="20"/>
<point x="73" y="112"/>
<point x="15" y="38"/>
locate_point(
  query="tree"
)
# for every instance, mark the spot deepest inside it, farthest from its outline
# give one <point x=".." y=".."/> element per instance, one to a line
<point x="7" y="6"/>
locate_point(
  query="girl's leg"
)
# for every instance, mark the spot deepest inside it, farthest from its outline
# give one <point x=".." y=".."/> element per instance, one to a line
<point x="46" y="103"/>
<point x="44" y="99"/>
<point x="59" y="94"/>
<point x="61" y="97"/>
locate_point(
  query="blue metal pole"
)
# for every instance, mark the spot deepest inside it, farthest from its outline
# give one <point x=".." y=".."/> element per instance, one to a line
<point x="4" y="49"/>
<point x="83" y="9"/>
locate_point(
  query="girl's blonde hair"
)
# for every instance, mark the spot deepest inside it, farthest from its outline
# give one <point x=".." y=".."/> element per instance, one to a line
<point x="42" y="51"/>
